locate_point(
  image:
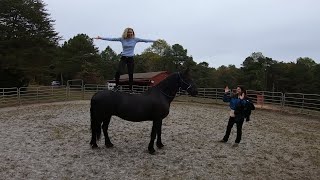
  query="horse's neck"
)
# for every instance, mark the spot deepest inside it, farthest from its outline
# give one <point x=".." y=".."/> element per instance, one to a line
<point x="169" y="94"/>
<point x="169" y="87"/>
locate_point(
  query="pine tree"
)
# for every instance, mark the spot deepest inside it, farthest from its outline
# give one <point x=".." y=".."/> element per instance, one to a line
<point x="28" y="42"/>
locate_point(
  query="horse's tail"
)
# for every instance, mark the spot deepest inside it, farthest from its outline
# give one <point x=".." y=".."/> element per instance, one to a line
<point x="95" y="122"/>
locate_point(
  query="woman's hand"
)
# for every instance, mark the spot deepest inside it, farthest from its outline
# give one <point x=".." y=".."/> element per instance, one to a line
<point x="226" y="89"/>
<point x="242" y="96"/>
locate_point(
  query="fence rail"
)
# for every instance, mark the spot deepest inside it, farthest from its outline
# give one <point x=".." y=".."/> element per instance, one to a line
<point x="293" y="102"/>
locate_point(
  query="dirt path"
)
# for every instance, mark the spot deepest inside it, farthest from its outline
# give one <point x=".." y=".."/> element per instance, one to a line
<point x="51" y="141"/>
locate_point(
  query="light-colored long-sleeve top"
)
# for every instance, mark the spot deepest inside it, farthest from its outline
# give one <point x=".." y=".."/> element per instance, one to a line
<point x="128" y="44"/>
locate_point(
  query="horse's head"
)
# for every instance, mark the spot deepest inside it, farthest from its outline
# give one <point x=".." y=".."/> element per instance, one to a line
<point x="187" y="84"/>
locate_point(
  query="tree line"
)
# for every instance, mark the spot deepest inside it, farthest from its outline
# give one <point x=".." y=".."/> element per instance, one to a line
<point x="30" y="54"/>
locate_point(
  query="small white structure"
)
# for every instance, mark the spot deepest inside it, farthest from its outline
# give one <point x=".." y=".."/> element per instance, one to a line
<point x="111" y="85"/>
<point x="55" y="83"/>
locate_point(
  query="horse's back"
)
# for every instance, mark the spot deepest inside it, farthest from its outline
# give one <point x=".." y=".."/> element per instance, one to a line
<point x="104" y="101"/>
<point x="132" y="107"/>
<point x="111" y="97"/>
<point x="98" y="96"/>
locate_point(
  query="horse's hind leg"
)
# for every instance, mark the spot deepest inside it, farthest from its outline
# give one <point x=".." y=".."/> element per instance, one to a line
<point x="93" y="142"/>
<point x="105" y="126"/>
<point x="95" y="130"/>
<point x="159" y="142"/>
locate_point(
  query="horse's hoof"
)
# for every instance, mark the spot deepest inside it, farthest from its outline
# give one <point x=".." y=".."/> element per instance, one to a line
<point x="160" y="145"/>
<point x="152" y="151"/>
<point x="94" y="146"/>
<point x="109" y="145"/>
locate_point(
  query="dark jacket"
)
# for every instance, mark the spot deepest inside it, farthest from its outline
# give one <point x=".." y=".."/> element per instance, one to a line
<point x="242" y="107"/>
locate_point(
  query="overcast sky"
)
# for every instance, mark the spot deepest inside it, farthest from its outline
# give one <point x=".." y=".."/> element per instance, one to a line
<point x="220" y="32"/>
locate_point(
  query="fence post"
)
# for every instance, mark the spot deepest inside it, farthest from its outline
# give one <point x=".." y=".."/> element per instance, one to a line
<point x="66" y="94"/>
<point x="302" y="102"/>
<point x="216" y="95"/>
<point x="284" y="100"/>
<point x="37" y="94"/>
<point x="272" y="98"/>
<point x="3" y="96"/>
<point x="19" y="96"/>
<point x="82" y="89"/>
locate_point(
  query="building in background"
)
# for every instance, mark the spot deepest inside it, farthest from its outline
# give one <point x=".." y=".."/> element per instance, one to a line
<point x="143" y="79"/>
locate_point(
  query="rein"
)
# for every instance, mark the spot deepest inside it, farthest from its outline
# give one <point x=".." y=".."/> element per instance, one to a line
<point x="167" y="94"/>
<point x="189" y="85"/>
<point x="181" y="80"/>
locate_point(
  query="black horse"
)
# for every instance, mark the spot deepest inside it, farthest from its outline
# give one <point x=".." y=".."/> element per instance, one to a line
<point x="152" y="105"/>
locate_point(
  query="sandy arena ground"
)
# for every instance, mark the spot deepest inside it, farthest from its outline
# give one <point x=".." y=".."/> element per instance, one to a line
<point x="51" y="141"/>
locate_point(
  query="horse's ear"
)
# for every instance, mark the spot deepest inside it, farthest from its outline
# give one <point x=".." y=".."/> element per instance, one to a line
<point x="187" y="71"/>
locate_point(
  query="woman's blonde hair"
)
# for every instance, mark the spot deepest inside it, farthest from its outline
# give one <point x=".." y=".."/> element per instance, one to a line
<point x="125" y="33"/>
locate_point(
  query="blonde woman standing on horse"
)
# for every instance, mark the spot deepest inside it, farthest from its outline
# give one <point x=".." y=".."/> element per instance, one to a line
<point x="128" y="41"/>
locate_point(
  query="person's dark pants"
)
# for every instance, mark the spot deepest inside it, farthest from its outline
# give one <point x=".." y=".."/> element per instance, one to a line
<point x="130" y="64"/>
<point x="232" y="121"/>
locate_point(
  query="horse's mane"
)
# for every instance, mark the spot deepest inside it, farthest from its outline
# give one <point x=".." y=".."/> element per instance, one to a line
<point x="164" y="83"/>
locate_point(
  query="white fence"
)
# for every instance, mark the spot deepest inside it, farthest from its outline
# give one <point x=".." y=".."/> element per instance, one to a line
<point x="293" y="102"/>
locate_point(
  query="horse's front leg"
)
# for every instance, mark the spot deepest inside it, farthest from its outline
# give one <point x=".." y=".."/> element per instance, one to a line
<point x="155" y="127"/>
<point x="159" y="142"/>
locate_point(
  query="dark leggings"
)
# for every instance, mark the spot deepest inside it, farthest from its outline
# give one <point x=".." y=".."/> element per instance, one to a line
<point x="130" y="64"/>
<point x="231" y="122"/>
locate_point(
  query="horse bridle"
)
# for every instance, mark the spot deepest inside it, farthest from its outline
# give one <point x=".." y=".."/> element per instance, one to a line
<point x="181" y="80"/>
<point x="189" y="85"/>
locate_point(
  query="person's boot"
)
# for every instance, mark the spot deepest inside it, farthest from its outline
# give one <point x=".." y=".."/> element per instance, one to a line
<point x="115" y="88"/>
<point x="131" y="89"/>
